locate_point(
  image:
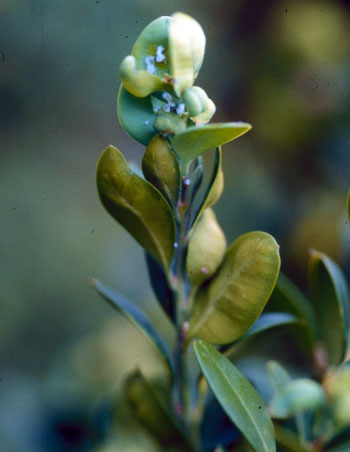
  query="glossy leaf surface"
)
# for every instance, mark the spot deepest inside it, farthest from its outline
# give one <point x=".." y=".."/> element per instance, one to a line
<point x="330" y="295"/>
<point x="160" y="167"/>
<point x="197" y="140"/>
<point x="237" y="397"/>
<point x="230" y="303"/>
<point x="206" y="249"/>
<point x="136" y="316"/>
<point x="136" y="116"/>
<point x="136" y="205"/>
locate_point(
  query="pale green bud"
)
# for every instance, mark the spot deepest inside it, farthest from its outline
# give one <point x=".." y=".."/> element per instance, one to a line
<point x="200" y="107"/>
<point x="206" y="249"/>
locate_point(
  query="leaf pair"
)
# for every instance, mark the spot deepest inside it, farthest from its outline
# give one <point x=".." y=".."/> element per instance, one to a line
<point x="138" y="115"/>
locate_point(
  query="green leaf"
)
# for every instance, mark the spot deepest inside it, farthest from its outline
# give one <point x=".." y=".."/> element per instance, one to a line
<point x="136" y="116"/>
<point x="278" y="375"/>
<point x="330" y="295"/>
<point x="136" y="205"/>
<point x="160" y="285"/>
<point x="290" y="441"/>
<point x="298" y="395"/>
<point x="289" y="298"/>
<point x="281" y="379"/>
<point x="206" y="249"/>
<point x="160" y="167"/>
<point x="215" y="187"/>
<point x="348" y="207"/>
<point x="237" y="397"/>
<point x="197" y="140"/>
<point x="150" y="401"/>
<point x="229" y="304"/>
<point x="270" y="320"/>
<point x="136" y="316"/>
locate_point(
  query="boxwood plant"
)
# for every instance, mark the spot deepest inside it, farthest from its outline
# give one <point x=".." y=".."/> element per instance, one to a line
<point x="212" y="293"/>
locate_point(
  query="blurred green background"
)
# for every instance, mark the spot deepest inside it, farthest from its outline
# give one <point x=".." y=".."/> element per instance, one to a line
<point x="281" y="65"/>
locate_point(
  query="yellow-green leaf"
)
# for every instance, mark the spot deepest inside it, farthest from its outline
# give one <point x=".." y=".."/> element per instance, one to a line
<point x="160" y="167"/>
<point x="186" y="50"/>
<point x="227" y="307"/>
<point x="206" y="249"/>
<point x="136" y="205"/>
<point x="197" y="140"/>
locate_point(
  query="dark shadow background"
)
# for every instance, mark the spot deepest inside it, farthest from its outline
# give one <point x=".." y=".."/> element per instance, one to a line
<point x="281" y="65"/>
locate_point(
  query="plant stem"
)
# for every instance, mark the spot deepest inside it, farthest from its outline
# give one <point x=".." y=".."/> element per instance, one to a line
<point x="181" y="388"/>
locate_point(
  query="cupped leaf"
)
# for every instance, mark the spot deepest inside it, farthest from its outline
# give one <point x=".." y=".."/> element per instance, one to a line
<point x="288" y="297"/>
<point x="330" y="295"/>
<point x="298" y="395"/>
<point x="139" y="82"/>
<point x="186" y="50"/>
<point x="206" y="249"/>
<point x="215" y="187"/>
<point x="147" y="68"/>
<point x="154" y="35"/>
<point x="136" y="205"/>
<point x="136" y="116"/>
<point x="237" y="397"/>
<point x="197" y="140"/>
<point x="137" y="317"/>
<point x="229" y="304"/>
<point x="160" y="285"/>
<point x="160" y="167"/>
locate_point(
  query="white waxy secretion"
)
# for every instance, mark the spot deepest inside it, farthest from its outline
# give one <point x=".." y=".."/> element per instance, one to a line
<point x="160" y="57"/>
